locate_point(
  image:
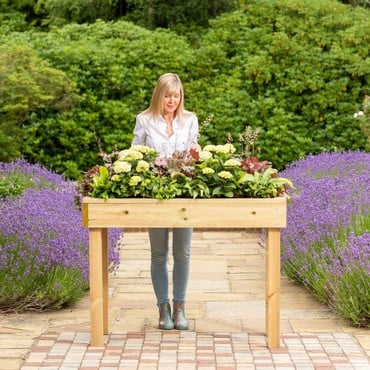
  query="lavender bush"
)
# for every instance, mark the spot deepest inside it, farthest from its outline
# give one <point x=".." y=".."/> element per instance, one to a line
<point x="19" y="175"/>
<point x="326" y="245"/>
<point x="43" y="246"/>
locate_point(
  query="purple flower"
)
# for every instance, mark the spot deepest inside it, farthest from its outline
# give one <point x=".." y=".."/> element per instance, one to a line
<point x="326" y="244"/>
<point x="41" y="229"/>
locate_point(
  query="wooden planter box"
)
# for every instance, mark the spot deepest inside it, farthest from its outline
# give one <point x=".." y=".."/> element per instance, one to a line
<point x="99" y="215"/>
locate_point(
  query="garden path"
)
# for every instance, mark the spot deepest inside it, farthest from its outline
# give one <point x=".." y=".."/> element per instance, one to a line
<point x="226" y="312"/>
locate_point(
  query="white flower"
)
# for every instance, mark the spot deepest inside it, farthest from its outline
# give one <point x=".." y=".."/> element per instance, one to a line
<point x="134" y="180"/>
<point x="116" y="178"/>
<point x="121" y="166"/>
<point x="129" y="155"/>
<point x="142" y="166"/>
<point x="204" y="155"/>
<point x="358" y="114"/>
<point x="123" y="154"/>
<point x="143" y="149"/>
<point x="210" y="148"/>
<point x="232" y="163"/>
<point x="208" y="171"/>
<point x="225" y="175"/>
<point x="222" y="149"/>
<point x="230" y="147"/>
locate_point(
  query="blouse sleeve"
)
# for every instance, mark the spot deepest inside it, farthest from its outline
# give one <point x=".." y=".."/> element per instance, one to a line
<point x="139" y="132"/>
<point x="194" y="130"/>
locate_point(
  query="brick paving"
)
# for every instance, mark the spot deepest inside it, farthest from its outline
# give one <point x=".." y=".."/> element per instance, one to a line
<point x="225" y="307"/>
<point x="191" y="350"/>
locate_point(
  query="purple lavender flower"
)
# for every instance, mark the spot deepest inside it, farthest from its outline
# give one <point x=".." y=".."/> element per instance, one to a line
<point x="41" y="232"/>
<point x="19" y="175"/>
<point x="326" y="243"/>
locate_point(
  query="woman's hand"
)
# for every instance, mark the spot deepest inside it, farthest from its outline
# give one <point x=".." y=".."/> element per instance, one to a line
<point x="196" y="147"/>
<point x="195" y="150"/>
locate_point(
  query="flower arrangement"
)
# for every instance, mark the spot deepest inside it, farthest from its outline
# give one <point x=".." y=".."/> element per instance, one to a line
<point x="214" y="172"/>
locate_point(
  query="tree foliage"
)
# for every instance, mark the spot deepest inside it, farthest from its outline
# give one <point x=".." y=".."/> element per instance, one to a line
<point x="169" y="14"/>
<point x="364" y="3"/>
<point x="150" y="14"/>
<point x="115" y="67"/>
<point x="298" y="69"/>
<point x="80" y="11"/>
<point x="27" y="85"/>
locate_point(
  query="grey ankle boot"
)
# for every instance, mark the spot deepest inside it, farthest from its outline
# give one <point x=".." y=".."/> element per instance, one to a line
<point x="165" y="319"/>
<point x="179" y="318"/>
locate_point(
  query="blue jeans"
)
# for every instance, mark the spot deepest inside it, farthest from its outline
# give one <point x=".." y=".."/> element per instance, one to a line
<point x="159" y="240"/>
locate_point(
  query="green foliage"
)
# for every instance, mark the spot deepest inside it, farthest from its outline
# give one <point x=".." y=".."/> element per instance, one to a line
<point x="352" y="303"/>
<point x="79" y="11"/>
<point x="297" y="69"/>
<point x="10" y="19"/>
<point x="13" y="183"/>
<point x="364" y="3"/>
<point x="214" y="172"/>
<point x="59" y="287"/>
<point x="363" y="117"/>
<point x="27" y="84"/>
<point x="115" y="67"/>
<point x="58" y="12"/>
<point x="162" y="13"/>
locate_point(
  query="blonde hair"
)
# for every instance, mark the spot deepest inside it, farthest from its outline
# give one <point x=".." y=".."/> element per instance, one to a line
<point x="167" y="83"/>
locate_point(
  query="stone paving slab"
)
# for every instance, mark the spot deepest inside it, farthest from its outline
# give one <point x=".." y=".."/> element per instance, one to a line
<point x="196" y="350"/>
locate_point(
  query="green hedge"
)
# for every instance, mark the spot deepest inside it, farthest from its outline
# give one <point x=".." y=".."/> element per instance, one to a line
<point x="298" y="69"/>
<point x="115" y="67"/>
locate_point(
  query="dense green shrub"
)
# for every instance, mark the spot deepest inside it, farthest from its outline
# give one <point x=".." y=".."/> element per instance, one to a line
<point x="115" y="67"/>
<point x="11" y="20"/>
<point x="150" y="14"/>
<point x="163" y="13"/>
<point x="364" y="3"/>
<point x="27" y="84"/>
<point x="43" y="13"/>
<point x="298" y="69"/>
<point x="80" y="11"/>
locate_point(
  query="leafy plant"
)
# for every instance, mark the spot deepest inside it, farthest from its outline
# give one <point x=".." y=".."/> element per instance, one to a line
<point x="214" y="172"/>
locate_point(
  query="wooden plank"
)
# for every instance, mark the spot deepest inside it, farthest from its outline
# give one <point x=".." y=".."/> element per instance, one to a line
<point x="96" y="287"/>
<point x="105" y="263"/>
<point x="227" y="213"/>
<point x="272" y="289"/>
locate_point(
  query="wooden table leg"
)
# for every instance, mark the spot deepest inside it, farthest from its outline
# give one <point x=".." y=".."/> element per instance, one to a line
<point x="96" y="285"/>
<point x="272" y="288"/>
<point x="105" y="262"/>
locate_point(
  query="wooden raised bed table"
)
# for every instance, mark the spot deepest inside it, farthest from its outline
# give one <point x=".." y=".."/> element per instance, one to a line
<point x="99" y="215"/>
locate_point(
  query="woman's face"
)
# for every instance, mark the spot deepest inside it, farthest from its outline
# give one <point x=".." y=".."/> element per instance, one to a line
<point x="171" y="101"/>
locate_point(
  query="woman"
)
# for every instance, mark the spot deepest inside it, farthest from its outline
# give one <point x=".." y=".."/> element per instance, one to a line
<point x="166" y="126"/>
